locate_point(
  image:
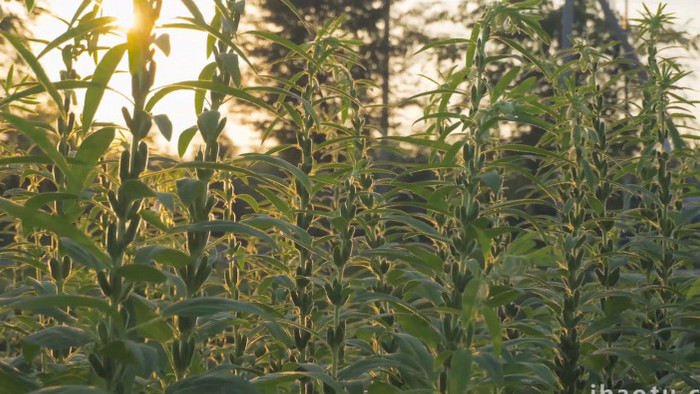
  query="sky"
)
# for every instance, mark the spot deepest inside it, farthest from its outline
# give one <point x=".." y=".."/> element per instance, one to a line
<point x="187" y="58"/>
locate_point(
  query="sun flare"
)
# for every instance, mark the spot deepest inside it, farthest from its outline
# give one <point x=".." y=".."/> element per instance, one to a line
<point x="123" y="11"/>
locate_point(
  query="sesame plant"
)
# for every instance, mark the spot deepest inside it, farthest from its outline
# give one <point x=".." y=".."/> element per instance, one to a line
<point x="409" y="263"/>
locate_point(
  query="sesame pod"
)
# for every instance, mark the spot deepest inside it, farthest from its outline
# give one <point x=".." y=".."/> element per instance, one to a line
<point x="229" y="280"/>
<point x="104" y="284"/>
<point x="470" y="335"/>
<point x="112" y="243"/>
<point x="211" y="202"/>
<point x="61" y="126"/>
<point x="132" y="229"/>
<point x="55" y="269"/>
<point x="220" y="127"/>
<point x="142" y="160"/>
<point x="96" y="365"/>
<point x="116" y="283"/>
<point x="71" y="122"/>
<point x="338" y="260"/>
<point x="177" y="360"/>
<point x="127" y="117"/>
<point x="66" y="267"/>
<point x="124" y="165"/>
<point x="150" y="73"/>
<point x="186" y="324"/>
<point x="330" y="337"/>
<point x="126" y="290"/>
<point x="202" y="274"/>
<point x="102" y="332"/>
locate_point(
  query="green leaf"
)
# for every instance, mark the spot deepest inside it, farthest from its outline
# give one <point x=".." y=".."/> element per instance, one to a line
<point x="285" y="43"/>
<point x="167" y="199"/>
<point x="12" y="380"/>
<point x="58" y="225"/>
<point x="292" y="231"/>
<point x="65" y="301"/>
<point x="492" y="179"/>
<point x="163" y="255"/>
<point x="141" y="273"/>
<point x="281" y="163"/>
<point x="41" y="139"/>
<point x="56" y="337"/>
<point x="471" y="49"/>
<point x="208" y="125"/>
<point x="39" y="200"/>
<point x="81" y="254"/>
<point x="148" y="323"/>
<point x="269" y="383"/>
<point x="38" y="88"/>
<point x="503" y="83"/>
<point x="493" y="323"/>
<point x="416" y="351"/>
<point x="469" y="300"/>
<point x="194" y="11"/>
<point x="163" y="42"/>
<point x="229" y="63"/>
<point x="227" y="227"/>
<point x="135" y="189"/>
<point x="694" y="289"/>
<point x="183" y="141"/>
<point x="220" y="382"/>
<point x="214" y="87"/>
<point x="460" y="371"/>
<point x="90" y="152"/>
<point x="70" y="389"/>
<point x="164" y="125"/>
<point x="29" y="4"/>
<point x="140" y="355"/>
<point x="617" y="304"/>
<point x="523" y="87"/>
<point x="678" y="142"/>
<point x="154" y="219"/>
<point x="190" y="189"/>
<point x="80" y="31"/>
<point x="442" y="43"/>
<point x="207" y="306"/>
<point x="364" y="365"/>
<point x="525" y="52"/>
<point x="501" y="295"/>
<point x="103" y="73"/>
<point x="492" y="367"/>
<point x="35" y="66"/>
<point x="199" y="96"/>
<point x="296" y="13"/>
<point x="419" y="327"/>
<point x="422" y="227"/>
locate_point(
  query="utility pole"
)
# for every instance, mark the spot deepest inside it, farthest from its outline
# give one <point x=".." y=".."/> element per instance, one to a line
<point x="567" y="27"/>
<point x="386" y="71"/>
<point x="621" y="35"/>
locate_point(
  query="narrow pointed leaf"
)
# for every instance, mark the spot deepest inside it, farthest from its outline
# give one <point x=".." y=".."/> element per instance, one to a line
<point x="41" y="138"/>
<point x="36" y="67"/>
<point x="90" y="152"/>
<point x="164" y="125"/>
<point x="98" y="24"/>
<point x="103" y="73"/>
<point x="58" y="225"/>
<point x="183" y="142"/>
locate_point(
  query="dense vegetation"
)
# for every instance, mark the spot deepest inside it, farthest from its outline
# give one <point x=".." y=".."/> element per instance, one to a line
<point x="124" y="271"/>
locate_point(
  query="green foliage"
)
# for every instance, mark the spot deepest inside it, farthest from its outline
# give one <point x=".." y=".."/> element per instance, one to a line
<point x="129" y="272"/>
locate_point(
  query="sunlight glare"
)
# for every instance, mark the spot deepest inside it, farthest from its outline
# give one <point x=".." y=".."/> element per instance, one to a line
<point x="122" y="10"/>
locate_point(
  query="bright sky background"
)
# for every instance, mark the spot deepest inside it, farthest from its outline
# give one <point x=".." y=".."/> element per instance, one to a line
<point x="188" y="57"/>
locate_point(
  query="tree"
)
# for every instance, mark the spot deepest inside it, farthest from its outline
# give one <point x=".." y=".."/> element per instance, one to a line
<point x="367" y="22"/>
